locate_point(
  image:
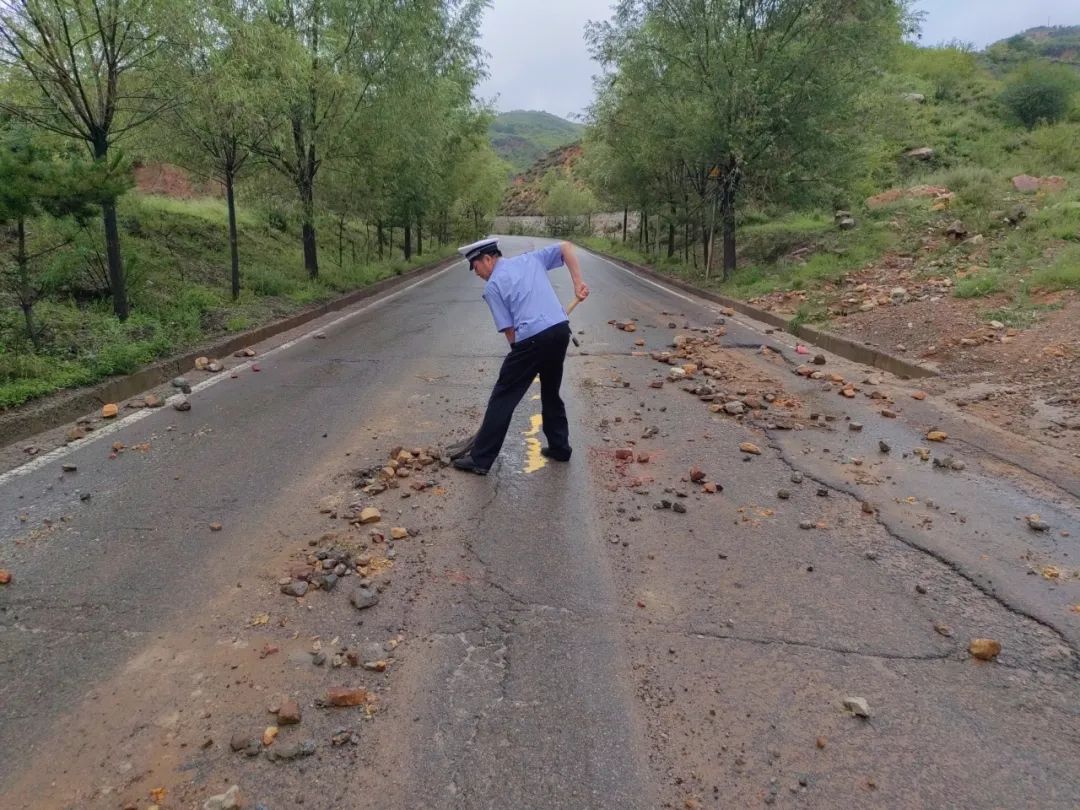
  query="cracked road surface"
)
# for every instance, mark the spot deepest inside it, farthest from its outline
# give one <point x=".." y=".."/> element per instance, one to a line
<point x="552" y="638"/>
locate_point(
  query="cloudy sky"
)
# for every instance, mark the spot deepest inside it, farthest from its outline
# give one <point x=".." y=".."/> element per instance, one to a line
<point x="539" y="60"/>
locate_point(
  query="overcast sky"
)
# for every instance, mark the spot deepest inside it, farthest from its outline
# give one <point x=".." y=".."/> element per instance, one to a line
<point x="539" y="60"/>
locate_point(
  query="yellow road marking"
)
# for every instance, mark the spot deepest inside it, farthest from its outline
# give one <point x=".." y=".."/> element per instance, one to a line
<point x="533" y="460"/>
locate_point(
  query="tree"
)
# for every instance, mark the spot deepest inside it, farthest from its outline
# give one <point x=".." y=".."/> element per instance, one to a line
<point x="35" y="181"/>
<point x="743" y="88"/>
<point x="78" y="62"/>
<point x="1040" y="93"/>
<point x="220" y="123"/>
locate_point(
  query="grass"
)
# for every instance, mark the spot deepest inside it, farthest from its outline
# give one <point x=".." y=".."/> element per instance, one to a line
<point x="1062" y="274"/>
<point x="176" y="260"/>
<point x="979" y="285"/>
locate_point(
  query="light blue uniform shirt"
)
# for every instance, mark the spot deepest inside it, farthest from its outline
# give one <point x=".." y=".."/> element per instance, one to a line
<point x="520" y="295"/>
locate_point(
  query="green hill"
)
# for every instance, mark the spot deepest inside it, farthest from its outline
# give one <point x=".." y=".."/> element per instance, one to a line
<point x="522" y="137"/>
<point x="1060" y="43"/>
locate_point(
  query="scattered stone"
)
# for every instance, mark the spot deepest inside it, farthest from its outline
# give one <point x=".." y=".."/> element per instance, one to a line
<point x="823" y="492"/>
<point x="711" y="487"/>
<point x="643" y="458"/>
<point x="343" y="697"/>
<point x="806" y="524"/>
<point x="182" y="404"/>
<point x="884" y="446"/>
<point x="937" y="436"/>
<point x="920" y="588"/>
<point x="269" y="735"/>
<point x="871" y="555"/>
<point x="750" y="448"/>
<point x="1036" y="523"/>
<point x="369" y="514"/>
<point x="201" y="363"/>
<point x="109" y="411"/>
<point x="796" y="478"/>
<point x="295" y="587"/>
<point x="857" y="706"/>
<point x="819" y="359"/>
<point x="224" y="801"/>
<point x="697" y="475"/>
<point x="363" y="597"/>
<point x="735" y="408"/>
<point x="821" y="742"/>
<point x="624" y="454"/>
<point x="943" y="630"/>
<point x="398" y="533"/>
<point x="855" y="427"/>
<point x="868" y="508"/>
<point x="286" y="753"/>
<point x="919" y="395"/>
<point x="181" y="383"/>
<point x="5" y="576"/>
<point x="85" y="496"/>
<point x="240" y="741"/>
<point x="678" y="507"/>
<point x="288" y="713"/>
<point x="888" y="414"/>
<point x="783" y="495"/>
<point x="75" y="434"/>
<point x="985" y="649"/>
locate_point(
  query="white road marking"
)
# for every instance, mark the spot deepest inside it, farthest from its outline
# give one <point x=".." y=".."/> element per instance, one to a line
<point x="60" y="452"/>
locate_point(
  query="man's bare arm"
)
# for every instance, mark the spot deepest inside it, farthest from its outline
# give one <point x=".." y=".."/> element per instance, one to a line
<point x="581" y="289"/>
<point x="510" y="336"/>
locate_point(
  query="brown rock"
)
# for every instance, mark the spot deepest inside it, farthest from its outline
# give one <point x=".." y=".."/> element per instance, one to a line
<point x="919" y="395"/>
<point x="985" y="649"/>
<point x="624" y="454"/>
<point x="343" y="696"/>
<point x="370" y="514"/>
<point x="109" y="411"/>
<point x="937" y="436"/>
<point x="153" y="401"/>
<point x="821" y="742"/>
<point x="630" y="327"/>
<point x="710" y="487"/>
<point x="215" y="527"/>
<point x="751" y="448"/>
<point x="398" y="533"/>
<point x="76" y="433"/>
<point x="269" y="735"/>
<point x="288" y="714"/>
<point x="643" y="458"/>
<point x="5" y="576"/>
<point x="697" y="475"/>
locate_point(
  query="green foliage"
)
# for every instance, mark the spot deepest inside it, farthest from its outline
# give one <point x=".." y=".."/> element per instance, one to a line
<point x="1040" y="93"/>
<point x="1062" y="274"/>
<point x="979" y="285"/>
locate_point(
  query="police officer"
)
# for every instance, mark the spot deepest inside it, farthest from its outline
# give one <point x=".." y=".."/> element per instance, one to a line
<point x="526" y="310"/>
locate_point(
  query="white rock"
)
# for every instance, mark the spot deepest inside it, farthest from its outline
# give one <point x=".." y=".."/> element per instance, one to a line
<point x="223" y="801"/>
<point x="857" y="706"/>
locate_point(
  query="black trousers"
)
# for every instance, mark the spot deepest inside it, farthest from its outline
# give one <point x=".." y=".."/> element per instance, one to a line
<point x="543" y="354"/>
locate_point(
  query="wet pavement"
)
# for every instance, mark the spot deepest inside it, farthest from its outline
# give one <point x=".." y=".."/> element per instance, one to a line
<point x="563" y="643"/>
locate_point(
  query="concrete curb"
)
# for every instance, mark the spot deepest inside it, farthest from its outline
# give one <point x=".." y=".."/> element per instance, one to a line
<point x="66" y="406"/>
<point x="842" y="346"/>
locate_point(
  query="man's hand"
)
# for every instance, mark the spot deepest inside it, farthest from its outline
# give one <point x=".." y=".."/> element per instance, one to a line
<point x="510" y="335"/>
<point x="581" y="289"/>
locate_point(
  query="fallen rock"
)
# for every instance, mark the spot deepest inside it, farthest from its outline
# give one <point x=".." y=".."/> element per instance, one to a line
<point x="884" y="446"/>
<point x="806" y="525"/>
<point x="697" y="475"/>
<point x="201" y="363"/>
<point x="75" y="434"/>
<point x="343" y="697"/>
<point x="919" y="395"/>
<point x="285" y="753"/>
<point x="819" y="359"/>
<point x="1036" y="523"/>
<point x="216" y="527"/>
<point x="182" y="404"/>
<point x="937" y="436"/>
<point x="734" y="408"/>
<point x="985" y="649"/>
<point x="678" y="507"/>
<point x="857" y="706"/>
<point x="751" y="448"/>
<point x="296" y="587"/>
<point x="288" y="713"/>
<point x="855" y="427"/>
<point x="109" y="411"/>
<point x="922" y="153"/>
<point x="943" y="630"/>
<point x="5" y="576"/>
<point x="369" y="514"/>
<point x="363" y="597"/>
<point x="624" y="454"/>
<point x="224" y="801"/>
<point x="240" y="741"/>
<point x="398" y="533"/>
<point x="783" y="495"/>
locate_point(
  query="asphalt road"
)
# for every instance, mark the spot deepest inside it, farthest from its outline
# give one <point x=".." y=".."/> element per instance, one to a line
<point x="560" y="642"/>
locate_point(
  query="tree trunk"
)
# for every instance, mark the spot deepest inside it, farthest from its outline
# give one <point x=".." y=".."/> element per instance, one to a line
<point x="710" y="233"/>
<point x="382" y="239"/>
<point x="727" y="215"/>
<point x="686" y="243"/>
<point x="419" y="238"/>
<point x="26" y="294"/>
<point x="671" y="234"/>
<point x="407" y="242"/>
<point x="625" y="216"/>
<point x="117" y="285"/>
<point x="341" y="240"/>
<point x="311" y="256"/>
<point x="234" y="252"/>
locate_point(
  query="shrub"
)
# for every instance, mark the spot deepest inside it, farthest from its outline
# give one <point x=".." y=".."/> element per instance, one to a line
<point x="1039" y="93"/>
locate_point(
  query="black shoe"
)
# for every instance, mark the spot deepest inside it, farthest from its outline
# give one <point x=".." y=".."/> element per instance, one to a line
<point x="467" y="464"/>
<point x="547" y="452"/>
